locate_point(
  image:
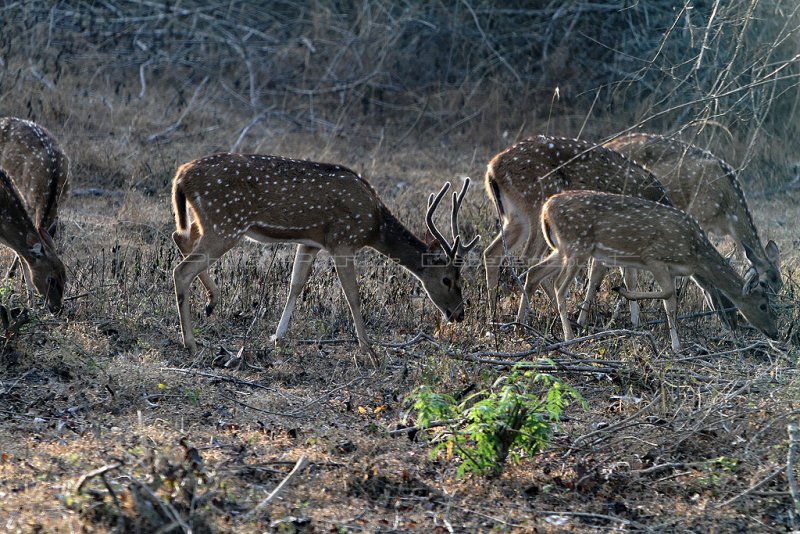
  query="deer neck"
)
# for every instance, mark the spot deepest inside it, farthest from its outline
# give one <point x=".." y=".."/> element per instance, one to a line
<point x="720" y="275"/>
<point x="398" y="243"/>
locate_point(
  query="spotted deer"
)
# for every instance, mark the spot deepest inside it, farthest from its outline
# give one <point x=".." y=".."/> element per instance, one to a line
<point x="706" y="187"/>
<point x="38" y="168"/>
<point x="33" y="245"/>
<point x="522" y="177"/>
<point x="316" y="205"/>
<point x="624" y="231"/>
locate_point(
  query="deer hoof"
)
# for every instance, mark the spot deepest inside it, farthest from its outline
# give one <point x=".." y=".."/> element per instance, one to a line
<point x="210" y="308"/>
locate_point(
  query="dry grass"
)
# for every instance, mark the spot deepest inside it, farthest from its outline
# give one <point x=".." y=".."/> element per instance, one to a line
<point x="670" y="443"/>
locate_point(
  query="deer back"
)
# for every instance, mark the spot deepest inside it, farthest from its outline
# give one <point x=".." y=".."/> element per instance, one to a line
<point x="707" y="188"/>
<point x="279" y="199"/>
<point x="529" y="172"/>
<point x="625" y="231"/>
<point x="37" y="165"/>
<point x="698" y="182"/>
<point x="633" y="232"/>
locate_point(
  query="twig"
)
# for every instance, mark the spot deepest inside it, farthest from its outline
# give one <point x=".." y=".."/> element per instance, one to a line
<point x="246" y="129"/>
<point x="97" y="472"/>
<point x="214" y="376"/>
<point x="753" y="488"/>
<point x="634" y="524"/>
<point x="186" y="110"/>
<point x="537" y="366"/>
<point x="299" y="466"/>
<point x="561" y="344"/>
<point x="791" y="459"/>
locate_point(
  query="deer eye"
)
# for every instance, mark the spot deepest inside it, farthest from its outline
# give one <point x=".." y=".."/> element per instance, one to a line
<point x="763" y="307"/>
<point x="446" y="281"/>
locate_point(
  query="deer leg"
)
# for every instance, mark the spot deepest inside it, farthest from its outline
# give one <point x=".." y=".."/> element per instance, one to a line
<point x="303" y="261"/>
<point x="493" y="258"/>
<point x="562" y="283"/>
<point x="345" y="268"/>
<point x="186" y="245"/>
<point x="644" y="295"/>
<point x="631" y="278"/>
<point x="534" y="247"/>
<point x="596" y="273"/>
<point x="666" y="282"/>
<point x="207" y="250"/>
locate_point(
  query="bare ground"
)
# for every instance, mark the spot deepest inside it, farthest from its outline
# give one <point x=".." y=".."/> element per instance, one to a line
<point x="694" y="441"/>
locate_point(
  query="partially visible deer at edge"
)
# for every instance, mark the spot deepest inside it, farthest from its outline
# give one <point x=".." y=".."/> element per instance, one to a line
<point x="522" y="177"/>
<point x="320" y="207"/>
<point x="38" y="168"/>
<point x="625" y="231"/>
<point x="706" y="187"/>
<point x="33" y="246"/>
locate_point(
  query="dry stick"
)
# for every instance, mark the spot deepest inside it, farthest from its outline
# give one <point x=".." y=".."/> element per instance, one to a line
<point x="183" y="114"/>
<point x="753" y="488"/>
<point x="561" y="344"/>
<point x="246" y="129"/>
<point x="166" y="508"/>
<point x="120" y="515"/>
<point x="791" y="458"/>
<point x="97" y="472"/>
<point x="214" y="376"/>
<point x="611" y="428"/>
<point x="299" y="466"/>
<point x="634" y="524"/>
<point x="542" y="366"/>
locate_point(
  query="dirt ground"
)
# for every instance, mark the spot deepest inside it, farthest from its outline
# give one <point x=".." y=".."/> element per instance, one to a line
<point x="109" y="424"/>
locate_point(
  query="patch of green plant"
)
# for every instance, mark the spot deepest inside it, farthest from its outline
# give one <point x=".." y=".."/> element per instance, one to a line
<point x="715" y="469"/>
<point x="515" y="416"/>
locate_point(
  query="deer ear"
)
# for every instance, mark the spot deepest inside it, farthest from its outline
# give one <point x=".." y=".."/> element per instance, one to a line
<point x="773" y="252"/>
<point x="46" y="237"/>
<point x="431" y="242"/>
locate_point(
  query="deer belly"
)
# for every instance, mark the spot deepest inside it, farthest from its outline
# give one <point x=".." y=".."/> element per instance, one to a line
<point x="611" y="257"/>
<point x="281" y="235"/>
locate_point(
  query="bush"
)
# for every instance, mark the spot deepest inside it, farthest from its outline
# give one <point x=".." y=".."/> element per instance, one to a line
<point x="514" y="417"/>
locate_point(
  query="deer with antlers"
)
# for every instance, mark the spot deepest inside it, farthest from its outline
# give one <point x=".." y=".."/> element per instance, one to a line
<point x="32" y="245"/>
<point x="521" y="178"/>
<point x="38" y="168"/>
<point x="320" y="207"/>
<point x="625" y="231"/>
<point x="706" y="187"/>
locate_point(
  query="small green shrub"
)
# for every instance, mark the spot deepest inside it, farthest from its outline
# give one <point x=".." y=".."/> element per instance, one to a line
<point x="513" y="417"/>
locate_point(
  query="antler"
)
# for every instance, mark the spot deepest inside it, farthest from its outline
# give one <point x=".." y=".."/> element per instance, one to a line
<point x="460" y="249"/>
<point x="456" y="250"/>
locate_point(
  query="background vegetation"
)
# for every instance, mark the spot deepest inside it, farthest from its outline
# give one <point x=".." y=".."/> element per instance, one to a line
<point x="410" y="94"/>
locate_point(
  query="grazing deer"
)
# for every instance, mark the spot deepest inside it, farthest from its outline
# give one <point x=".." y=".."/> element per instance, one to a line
<point x="33" y="246"/>
<point x="705" y="187"/>
<point x="317" y="205"/>
<point x="39" y="169"/>
<point x="625" y="231"/>
<point x="523" y="176"/>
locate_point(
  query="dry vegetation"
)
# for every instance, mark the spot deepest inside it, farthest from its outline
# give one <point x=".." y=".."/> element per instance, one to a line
<point x="409" y="94"/>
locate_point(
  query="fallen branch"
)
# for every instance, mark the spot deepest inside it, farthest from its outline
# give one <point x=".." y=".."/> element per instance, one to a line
<point x="97" y="472"/>
<point x="186" y="110"/>
<point x="299" y="466"/>
<point x="791" y="459"/>
<point x="753" y="488"/>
